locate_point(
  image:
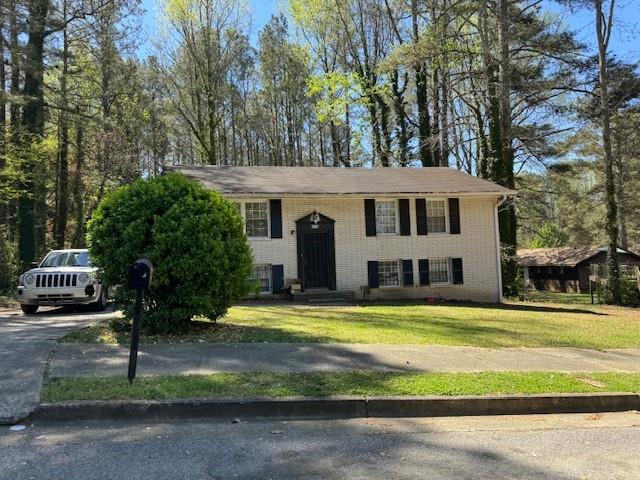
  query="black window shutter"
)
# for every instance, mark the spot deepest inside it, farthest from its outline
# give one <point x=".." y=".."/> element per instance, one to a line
<point x="277" y="278"/>
<point x="275" y="208"/>
<point x="405" y="219"/>
<point x="423" y="268"/>
<point x="456" y="267"/>
<point x="372" y="270"/>
<point x="454" y="215"/>
<point x="421" y="216"/>
<point x="370" y="216"/>
<point x="407" y="273"/>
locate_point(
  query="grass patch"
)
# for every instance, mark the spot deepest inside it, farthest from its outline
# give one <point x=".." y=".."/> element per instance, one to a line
<point x="325" y="384"/>
<point x="509" y="325"/>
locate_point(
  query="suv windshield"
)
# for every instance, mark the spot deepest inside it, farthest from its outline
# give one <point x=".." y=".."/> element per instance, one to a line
<point x="67" y="259"/>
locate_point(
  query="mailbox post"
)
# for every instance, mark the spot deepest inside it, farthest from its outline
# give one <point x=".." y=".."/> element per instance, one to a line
<point x="140" y="273"/>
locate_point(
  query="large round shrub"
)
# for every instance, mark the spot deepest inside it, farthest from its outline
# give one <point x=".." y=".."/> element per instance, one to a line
<point x="194" y="238"/>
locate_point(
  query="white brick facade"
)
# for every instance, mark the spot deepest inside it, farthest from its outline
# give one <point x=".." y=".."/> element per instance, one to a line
<point x="476" y="245"/>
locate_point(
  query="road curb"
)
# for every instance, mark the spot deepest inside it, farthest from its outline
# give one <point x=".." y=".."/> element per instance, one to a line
<point x="298" y="407"/>
<point x="337" y="407"/>
<point x="501" y="405"/>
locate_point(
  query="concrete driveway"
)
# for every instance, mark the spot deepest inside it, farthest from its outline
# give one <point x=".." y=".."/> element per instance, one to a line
<point x="26" y="342"/>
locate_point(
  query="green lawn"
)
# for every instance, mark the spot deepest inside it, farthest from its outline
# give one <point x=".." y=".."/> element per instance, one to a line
<point x="509" y="325"/>
<point x="325" y="384"/>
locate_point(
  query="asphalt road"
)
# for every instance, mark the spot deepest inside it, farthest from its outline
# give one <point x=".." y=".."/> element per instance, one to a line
<point x="527" y="447"/>
<point x="25" y="344"/>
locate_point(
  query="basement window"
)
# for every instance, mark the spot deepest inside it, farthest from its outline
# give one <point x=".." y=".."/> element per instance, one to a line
<point x="389" y="273"/>
<point x="261" y="276"/>
<point x="440" y="270"/>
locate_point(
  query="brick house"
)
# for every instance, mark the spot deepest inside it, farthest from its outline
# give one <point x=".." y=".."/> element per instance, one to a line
<point x="376" y="233"/>
<point x="566" y="269"/>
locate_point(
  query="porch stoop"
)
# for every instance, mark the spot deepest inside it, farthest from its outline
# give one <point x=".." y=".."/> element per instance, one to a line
<point x="325" y="297"/>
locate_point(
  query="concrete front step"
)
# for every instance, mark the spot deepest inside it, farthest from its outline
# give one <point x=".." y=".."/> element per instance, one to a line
<point x="325" y="297"/>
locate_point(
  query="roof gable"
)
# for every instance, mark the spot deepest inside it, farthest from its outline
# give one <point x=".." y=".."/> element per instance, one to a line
<point x="339" y="181"/>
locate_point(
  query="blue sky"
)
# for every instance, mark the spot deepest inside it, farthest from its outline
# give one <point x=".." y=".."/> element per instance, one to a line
<point x="625" y="41"/>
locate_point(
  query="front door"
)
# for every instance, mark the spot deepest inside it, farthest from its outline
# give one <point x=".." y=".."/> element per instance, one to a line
<point x="316" y="251"/>
<point x="316" y="260"/>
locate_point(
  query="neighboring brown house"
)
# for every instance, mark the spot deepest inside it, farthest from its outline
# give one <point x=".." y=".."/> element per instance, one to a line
<point x="565" y="269"/>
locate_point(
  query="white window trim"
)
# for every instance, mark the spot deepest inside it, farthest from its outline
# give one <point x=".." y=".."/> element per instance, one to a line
<point x="446" y="215"/>
<point x="400" y="273"/>
<point x="449" y="272"/>
<point x="243" y="214"/>
<point x="396" y="204"/>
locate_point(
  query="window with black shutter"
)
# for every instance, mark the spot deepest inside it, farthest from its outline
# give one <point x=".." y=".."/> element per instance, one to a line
<point x="275" y="209"/>
<point x="277" y="278"/>
<point x="372" y="273"/>
<point x="421" y="216"/>
<point x="454" y="216"/>
<point x="407" y="273"/>
<point x="456" y="268"/>
<point x="423" y="269"/>
<point x="370" y="217"/>
<point x="405" y="218"/>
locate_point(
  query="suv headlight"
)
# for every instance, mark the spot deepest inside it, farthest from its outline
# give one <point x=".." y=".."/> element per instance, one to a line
<point x="29" y="279"/>
<point x="83" y="278"/>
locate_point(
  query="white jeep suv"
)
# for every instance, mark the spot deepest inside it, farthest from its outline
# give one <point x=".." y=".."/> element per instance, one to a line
<point x="64" y="277"/>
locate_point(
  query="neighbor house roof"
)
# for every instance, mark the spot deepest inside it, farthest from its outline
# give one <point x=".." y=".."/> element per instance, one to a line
<point x="560" y="256"/>
<point x="339" y="181"/>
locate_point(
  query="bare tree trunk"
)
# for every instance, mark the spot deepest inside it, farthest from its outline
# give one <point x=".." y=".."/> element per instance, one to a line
<point x="78" y="189"/>
<point x="14" y="110"/>
<point x="62" y="190"/>
<point x="384" y="130"/>
<point x="603" y="31"/>
<point x="3" y="82"/>
<point x="335" y="144"/>
<point x="424" y="120"/>
<point x="347" y="137"/>
<point x="401" y="118"/>
<point x="30" y="208"/>
<point x="435" y="133"/>
<point x="505" y="177"/>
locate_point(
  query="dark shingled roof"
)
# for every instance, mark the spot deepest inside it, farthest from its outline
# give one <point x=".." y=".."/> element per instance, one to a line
<point x="339" y="181"/>
<point x="560" y="256"/>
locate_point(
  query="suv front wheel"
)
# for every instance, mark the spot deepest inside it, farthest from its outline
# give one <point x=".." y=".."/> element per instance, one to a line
<point x="101" y="304"/>
<point x="29" y="309"/>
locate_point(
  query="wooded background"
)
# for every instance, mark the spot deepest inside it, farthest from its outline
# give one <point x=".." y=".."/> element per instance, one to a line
<point x="501" y="89"/>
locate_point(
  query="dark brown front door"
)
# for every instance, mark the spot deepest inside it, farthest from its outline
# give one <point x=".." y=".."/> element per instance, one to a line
<point x="316" y="260"/>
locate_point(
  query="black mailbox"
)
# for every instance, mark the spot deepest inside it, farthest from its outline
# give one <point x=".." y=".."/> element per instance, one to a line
<point x="140" y="273"/>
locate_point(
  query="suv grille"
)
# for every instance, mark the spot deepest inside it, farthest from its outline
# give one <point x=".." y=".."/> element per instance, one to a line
<point x="54" y="280"/>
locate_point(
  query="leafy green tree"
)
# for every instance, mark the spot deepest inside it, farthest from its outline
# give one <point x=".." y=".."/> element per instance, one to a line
<point x="550" y="235"/>
<point x="194" y="238"/>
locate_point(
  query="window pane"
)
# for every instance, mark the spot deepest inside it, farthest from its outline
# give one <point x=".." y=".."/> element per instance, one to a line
<point x="261" y="275"/>
<point x="386" y="217"/>
<point x="436" y="222"/>
<point x="388" y="274"/>
<point x="439" y="270"/>
<point x="256" y="219"/>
